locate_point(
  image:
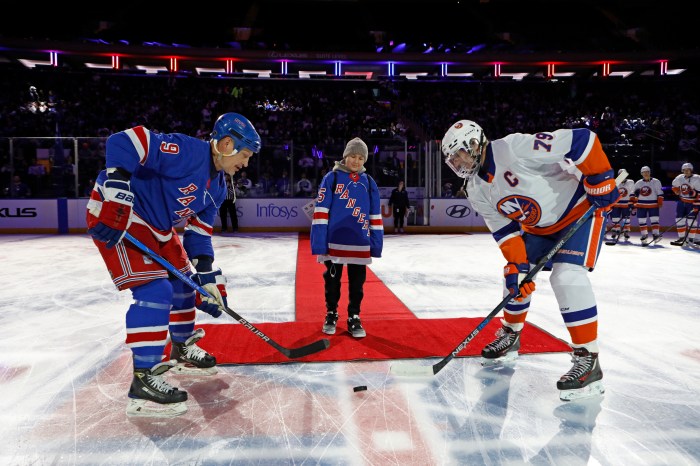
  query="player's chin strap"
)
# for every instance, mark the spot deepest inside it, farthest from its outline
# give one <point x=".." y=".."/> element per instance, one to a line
<point x="219" y="155"/>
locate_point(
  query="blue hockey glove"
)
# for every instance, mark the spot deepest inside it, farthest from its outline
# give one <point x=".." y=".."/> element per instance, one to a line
<point x="601" y="190"/>
<point x="115" y="214"/>
<point x="514" y="274"/>
<point x="214" y="283"/>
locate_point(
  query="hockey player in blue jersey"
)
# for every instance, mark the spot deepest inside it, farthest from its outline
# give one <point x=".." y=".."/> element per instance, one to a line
<point x="154" y="182"/>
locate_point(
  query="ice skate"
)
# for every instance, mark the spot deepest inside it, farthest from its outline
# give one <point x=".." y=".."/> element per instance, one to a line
<point x="355" y="327"/>
<point x="678" y="242"/>
<point x="503" y="349"/>
<point x="330" y="322"/>
<point x="584" y="379"/>
<point x="191" y="359"/>
<point x="151" y="396"/>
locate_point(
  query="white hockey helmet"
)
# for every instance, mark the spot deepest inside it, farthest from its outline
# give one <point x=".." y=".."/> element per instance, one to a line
<point x="462" y="146"/>
<point x="687" y="165"/>
<point x="645" y="169"/>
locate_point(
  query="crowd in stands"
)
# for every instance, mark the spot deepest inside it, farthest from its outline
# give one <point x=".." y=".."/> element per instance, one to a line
<point x="304" y="124"/>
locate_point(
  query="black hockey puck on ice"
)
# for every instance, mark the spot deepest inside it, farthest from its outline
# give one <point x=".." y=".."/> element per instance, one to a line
<point x="359" y="388"/>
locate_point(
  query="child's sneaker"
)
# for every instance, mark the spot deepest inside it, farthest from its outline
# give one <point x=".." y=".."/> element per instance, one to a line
<point x="355" y="327"/>
<point x="329" y="324"/>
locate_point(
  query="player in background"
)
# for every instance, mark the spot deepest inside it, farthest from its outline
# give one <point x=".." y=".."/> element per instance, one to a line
<point x="687" y="187"/>
<point x="347" y="229"/>
<point x="530" y="188"/>
<point x="620" y="213"/>
<point x="647" y="199"/>
<point x="152" y="183"/>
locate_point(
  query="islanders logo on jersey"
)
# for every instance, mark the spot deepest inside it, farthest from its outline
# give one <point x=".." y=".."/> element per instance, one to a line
<point x="645" y="191"/>
<point x="522" y="209"/>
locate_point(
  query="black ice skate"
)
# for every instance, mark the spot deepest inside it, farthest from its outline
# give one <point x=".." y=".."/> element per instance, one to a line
<point x="192" y="359"/>
<point x="503" y="349"/>
<point x="330" y="322"/>
<point x="355" y="327"/>
<point x="151" y="396"/>
<point x="678" y="242"/>
<point x="583" y="379"/>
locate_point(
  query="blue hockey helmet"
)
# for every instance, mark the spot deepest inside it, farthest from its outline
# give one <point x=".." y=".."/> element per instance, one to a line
<point x="240" y="129"/>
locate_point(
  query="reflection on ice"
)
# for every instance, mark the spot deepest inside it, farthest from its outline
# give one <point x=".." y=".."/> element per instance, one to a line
<point x="64" y="370"/>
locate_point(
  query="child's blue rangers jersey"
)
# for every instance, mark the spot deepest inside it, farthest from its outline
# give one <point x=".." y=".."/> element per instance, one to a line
<point x="173" y="179"/>
<point x="347" y="223"/>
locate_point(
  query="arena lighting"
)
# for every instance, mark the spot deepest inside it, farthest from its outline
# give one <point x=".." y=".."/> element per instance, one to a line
<point x="623" y="74"/>
<point x="308" y="74"/>
<point x="200" y="70"/>
<point x="33" y="63"/>
<point x="100" y="66"/>
<point x="260" y="73"/>
<point x="151" y="69"/>
<point x="515" y="76"/>
<point x="53" y="61"/>
<point x="413" y="75"/>
<point x="619" y="74"/>
<point x="367" y="74"/>
<point x="676" y="71"/>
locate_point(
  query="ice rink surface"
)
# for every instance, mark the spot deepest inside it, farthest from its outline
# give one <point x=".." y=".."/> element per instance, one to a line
<point x="65" y="370"/>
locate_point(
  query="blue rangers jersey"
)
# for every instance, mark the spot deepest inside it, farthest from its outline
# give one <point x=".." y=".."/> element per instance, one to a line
<point x="347" y="223"/>
<point x="173" y="179"/>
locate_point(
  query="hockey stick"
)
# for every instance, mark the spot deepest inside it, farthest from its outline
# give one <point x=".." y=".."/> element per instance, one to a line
<point x="413" y="370"/>
<point x="687" y="231"/>
<point x="661" y="235"/>
<point x="622" y="223"/>
<point x="291" y="353"/>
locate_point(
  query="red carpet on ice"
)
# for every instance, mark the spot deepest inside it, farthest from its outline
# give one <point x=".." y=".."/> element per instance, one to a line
<point x="393" y="331"/>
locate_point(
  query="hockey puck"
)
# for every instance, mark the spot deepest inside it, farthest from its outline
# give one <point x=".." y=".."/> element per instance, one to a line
<point x="359" y="388"/>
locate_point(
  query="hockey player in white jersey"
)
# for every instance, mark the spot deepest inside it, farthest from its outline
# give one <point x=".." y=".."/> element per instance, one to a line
<point x="530" y="188"/>
<point x="648" y="198"/>
<point x="687" y="187"/>
<point x="620" y="213"/>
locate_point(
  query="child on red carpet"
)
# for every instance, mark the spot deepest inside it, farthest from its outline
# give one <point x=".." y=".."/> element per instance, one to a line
<point x="347" y="229"/>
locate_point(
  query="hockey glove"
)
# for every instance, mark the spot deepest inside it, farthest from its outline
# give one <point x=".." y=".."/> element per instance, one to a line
<point x="601" y="190"/>
<point x="115" y="214"/>
<point x="514" y="275"/>
<point x="214" y="283"/>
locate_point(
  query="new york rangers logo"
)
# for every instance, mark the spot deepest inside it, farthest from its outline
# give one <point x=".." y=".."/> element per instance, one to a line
<point x="522" y="209"/>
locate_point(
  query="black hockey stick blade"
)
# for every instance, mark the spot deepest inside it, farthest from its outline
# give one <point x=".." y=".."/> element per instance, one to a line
<point x="613" y="242"/>
<point x="409" y="369"/>
<point x="291" y="353"/>
<point x="413" y="370"/>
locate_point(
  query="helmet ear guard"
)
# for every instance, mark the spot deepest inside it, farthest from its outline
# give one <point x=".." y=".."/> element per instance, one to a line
<point x="238" y="128"/>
